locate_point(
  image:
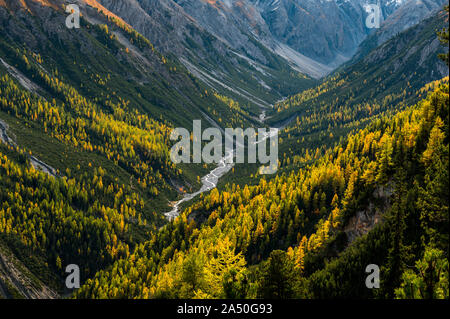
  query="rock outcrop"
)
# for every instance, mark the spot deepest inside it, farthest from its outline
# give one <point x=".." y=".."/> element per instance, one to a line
<point x="366" y="219"/>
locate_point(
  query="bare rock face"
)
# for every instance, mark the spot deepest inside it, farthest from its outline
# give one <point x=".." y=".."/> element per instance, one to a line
<point x="366" y="219"/>
<point x="248" y="46"/>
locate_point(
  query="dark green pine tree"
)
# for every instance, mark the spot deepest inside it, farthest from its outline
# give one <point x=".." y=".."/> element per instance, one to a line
<point x="278" y="280"/>
<point x="396" y="218"/>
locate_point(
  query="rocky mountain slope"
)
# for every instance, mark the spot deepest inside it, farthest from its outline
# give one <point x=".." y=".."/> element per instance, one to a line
<point x="17" y="281"/>
<point x="96" y="106"/>
<point x="110" y="78"/>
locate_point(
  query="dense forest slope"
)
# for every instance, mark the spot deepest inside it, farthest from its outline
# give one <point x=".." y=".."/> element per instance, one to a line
<point x="289" y="236"/>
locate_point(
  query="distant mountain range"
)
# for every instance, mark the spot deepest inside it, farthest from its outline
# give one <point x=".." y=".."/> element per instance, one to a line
<point x="259" y="51"/>
<point x="238" y="47"/>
